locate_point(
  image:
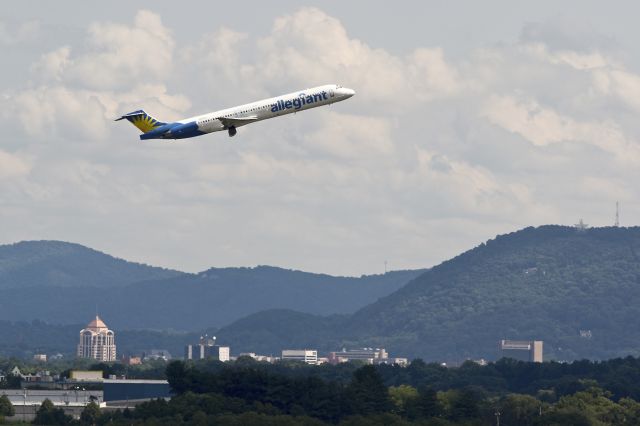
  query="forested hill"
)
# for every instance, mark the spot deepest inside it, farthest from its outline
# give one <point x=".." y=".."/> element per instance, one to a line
<point x="62" y="264"/>
<point x="545" y="283"/>
<point x="218" y="297"/>
<point x="64" y="283"/>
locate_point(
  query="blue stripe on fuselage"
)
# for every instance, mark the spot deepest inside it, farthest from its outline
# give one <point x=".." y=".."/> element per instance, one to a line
<point x="174" y="131"/>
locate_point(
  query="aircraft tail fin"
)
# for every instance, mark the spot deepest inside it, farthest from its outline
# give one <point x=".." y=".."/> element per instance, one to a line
<point x="142" y="120"/>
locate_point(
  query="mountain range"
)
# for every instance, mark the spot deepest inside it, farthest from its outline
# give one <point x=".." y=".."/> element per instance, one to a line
<point x="576" y="289"/>
<point x="64" y="283"/>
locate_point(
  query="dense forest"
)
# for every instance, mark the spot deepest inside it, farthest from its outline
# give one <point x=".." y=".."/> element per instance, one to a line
<point x="246" y="392"/>
<point x="570" y="288"/>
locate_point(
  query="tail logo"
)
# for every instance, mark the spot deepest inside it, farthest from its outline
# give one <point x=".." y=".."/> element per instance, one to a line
<point x="142" y="121"/>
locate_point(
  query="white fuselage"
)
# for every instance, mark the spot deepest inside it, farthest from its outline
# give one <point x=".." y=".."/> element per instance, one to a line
<point x="230" y="118"/>
<point x="270" y="108"/>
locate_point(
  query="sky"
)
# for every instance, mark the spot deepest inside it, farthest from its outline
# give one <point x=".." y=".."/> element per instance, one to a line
<point x="471" y="119"/>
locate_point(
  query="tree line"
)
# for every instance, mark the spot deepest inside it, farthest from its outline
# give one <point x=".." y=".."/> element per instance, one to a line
<point x="246" y="392"/>
<point x="511" y="392"/>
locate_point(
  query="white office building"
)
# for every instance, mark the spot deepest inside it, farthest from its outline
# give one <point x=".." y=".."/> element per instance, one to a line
<point x="309" y="356"/>
<point x="524" y="350"/>
<point x="207" y="349"/>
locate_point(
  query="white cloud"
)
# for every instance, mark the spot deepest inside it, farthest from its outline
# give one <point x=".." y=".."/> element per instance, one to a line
<point x="123" y="56"/>
<point x="309" y="48"/>
<point x="45" y="111"/>
<point x="52" y="65"/>
<point x="12" y="166"/>
<point x="323" y="51"/>
<point x="22" y="33"/>
<point x="77" y="96"/>
<point x="350" y="136"/>
<point x="621" y="84"/>
<point x="543" y="126"/>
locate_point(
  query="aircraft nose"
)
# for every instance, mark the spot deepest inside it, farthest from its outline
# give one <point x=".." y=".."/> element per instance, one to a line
<point x="349" y="92"/>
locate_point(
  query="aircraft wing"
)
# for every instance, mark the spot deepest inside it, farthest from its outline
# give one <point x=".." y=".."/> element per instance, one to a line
<point x="240" y="121"/>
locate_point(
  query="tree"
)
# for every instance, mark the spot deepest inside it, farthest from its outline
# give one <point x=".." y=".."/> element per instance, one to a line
<point x="632" y="410"/>
<point x="466" y="405"/>
<point x="199" y="419"/>
<point x="519" y="410"/>
<point x="90" y="414"/>
<point x="565" y="417"/>
<point x="425" y="404"/>
<point x="12" y="382"/>
<point x="402" y="396"/>
<point x="367" y="393"/>
<point x="177" y="376"/>
<point x="47" y="414"/>
<point x="6" y="407"/>
<point x="595" y="404"/>
<point x="387" y="419"/>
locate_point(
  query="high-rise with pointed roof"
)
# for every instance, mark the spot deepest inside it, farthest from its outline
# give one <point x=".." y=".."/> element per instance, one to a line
<point x="97" y="342"/>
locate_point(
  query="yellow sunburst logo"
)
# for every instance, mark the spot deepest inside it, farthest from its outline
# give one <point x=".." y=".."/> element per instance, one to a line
<point x="144" y="123"/>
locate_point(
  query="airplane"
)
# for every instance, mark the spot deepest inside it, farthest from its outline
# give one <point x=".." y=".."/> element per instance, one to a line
<point x="231" y="118"/>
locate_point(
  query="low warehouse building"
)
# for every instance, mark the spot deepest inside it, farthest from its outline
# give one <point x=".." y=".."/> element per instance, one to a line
<point x="130" y="390"/>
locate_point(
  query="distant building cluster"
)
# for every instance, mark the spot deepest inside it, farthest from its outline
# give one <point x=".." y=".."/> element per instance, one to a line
<point x="367" y="355"/>
<point x="39" y="377"/>
<point x="260" y="358"/>
<point x="75" y="392"/>
<point x="308" y="356"/>
<point x="522" y="350"/>
<point x="586" y="334"/>
<point x="43" y="379"/>
<point x="207" y="349"/>
<point x="152" y="355"/>
<point x="97" y="342"/>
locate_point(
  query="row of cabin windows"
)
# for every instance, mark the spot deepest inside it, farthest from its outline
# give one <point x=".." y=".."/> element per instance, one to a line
<point x="239" y="112"/>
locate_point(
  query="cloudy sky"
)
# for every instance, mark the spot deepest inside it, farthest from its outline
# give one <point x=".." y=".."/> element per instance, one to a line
<point x="471" y="119"/>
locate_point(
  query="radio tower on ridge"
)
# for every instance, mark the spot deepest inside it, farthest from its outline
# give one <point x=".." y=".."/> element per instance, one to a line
<point x="617" y="223"/>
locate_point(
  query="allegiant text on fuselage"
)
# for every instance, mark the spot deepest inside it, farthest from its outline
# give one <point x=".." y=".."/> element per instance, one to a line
<point x="297" y="103"/>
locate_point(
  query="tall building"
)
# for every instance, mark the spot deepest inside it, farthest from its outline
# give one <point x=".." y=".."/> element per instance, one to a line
<point x="522" y="350"/>
<point x="207" y="348"/>
<point x="97" y="342"/>
<point x="310" y="356"/>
